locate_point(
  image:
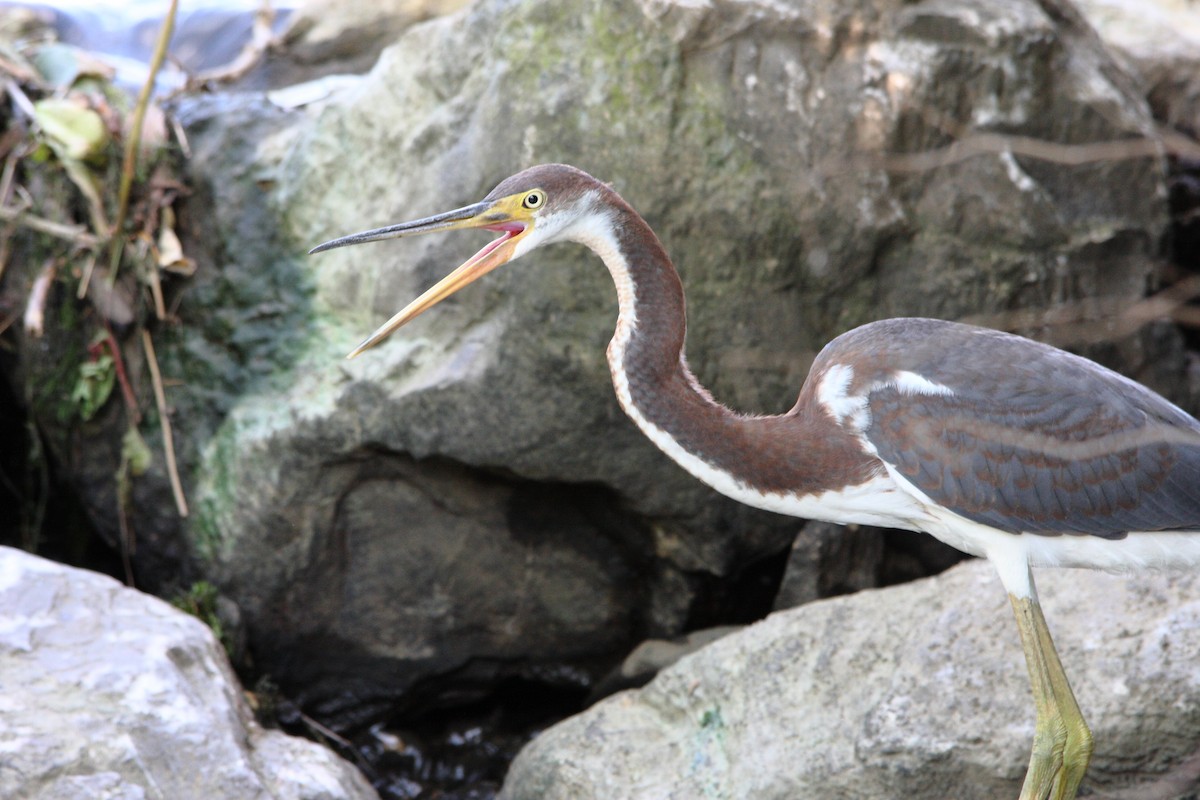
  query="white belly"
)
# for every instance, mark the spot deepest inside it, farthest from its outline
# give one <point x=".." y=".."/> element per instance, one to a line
<point x="1013" y="554"/>
<point x="890" y="501"/>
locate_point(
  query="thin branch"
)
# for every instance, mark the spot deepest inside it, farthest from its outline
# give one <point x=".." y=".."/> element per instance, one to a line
<point x="332" y="736"/>
<point x="78" y="234"/>
<point x="134" y="139"/>
<point x="32" y="528"/>
<point x="160" y="398"/>
<point x="10" y="169"/>
<point x="6" y="190"/>
<point x="155" y="281"/>
<point x="18" y="71"/>
<point x="86" y="279"/>
<point x="326" y="732"/>
<point x="1073" y="155"/>
<point x="181" y="136"/>
<point x="1100" y="319"/>
<point x="1177" y="144"/>
<point x="114" y="351"/>
<point x="128" y="540"/>
<point x="19" y="98"/>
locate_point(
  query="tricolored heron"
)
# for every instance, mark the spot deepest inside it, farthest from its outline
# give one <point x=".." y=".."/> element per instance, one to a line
<point x="1003" y="447"/>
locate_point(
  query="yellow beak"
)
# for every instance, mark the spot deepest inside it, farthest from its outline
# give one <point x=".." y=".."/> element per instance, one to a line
<point x="488" y="215"/>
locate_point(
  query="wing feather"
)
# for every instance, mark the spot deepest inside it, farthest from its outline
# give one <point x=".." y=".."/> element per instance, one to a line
<point x="1028" y="438"/>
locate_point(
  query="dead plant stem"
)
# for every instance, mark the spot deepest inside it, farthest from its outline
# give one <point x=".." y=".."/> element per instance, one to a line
<point x="160" y="398"/>
<point x="134" y="140"/>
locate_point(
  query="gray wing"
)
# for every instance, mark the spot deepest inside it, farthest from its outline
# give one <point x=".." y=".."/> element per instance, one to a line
<point x="1024" y="437"/>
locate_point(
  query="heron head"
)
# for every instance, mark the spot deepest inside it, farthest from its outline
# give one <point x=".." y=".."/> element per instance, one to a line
<point x="529" y="209"/>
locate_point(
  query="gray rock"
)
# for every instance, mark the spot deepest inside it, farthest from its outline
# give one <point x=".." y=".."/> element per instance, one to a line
<point x="753" y="136"/>
<point x="913" y="691"/>
<point x="652" y="656"/>
<point x="827" y="560"/>
<point x="109" y="693"/>
<point x="328" y="36"/>
<point x="699" y="118"/>
<point x="1160" y="40"/>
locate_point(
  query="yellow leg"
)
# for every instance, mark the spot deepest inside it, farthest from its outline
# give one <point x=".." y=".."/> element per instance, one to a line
<point x="1062" y="742"/>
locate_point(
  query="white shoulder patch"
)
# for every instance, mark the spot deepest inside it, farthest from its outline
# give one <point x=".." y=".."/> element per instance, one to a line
<point x="911" y="383"/>
<point x="833" y="393"/>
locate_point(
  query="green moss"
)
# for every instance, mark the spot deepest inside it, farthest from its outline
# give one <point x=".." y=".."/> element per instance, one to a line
<point x="711" y="720"/>
<point x="205" y="532"/>
<point x="544" y="61"/>
<point x="200" y="600"/>
<point x="54" y="382"/>
<point x="711" y="759"/>
<point x="214" y="500"/>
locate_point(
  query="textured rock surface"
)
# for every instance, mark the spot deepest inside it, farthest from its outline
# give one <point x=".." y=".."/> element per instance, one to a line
<point x="328" y="36"/>
<point x="736" y="128"/>
<point x="108" y="693"/>
<point x="1161" y="40"/>
<point x="914" y="691"/>
<point x="748" y="133"/>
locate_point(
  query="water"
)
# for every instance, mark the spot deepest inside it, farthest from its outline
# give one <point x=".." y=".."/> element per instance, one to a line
<point x="208" y="33"/>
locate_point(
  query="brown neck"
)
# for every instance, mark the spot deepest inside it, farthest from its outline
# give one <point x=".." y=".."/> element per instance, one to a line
<point x="789" y="453"/>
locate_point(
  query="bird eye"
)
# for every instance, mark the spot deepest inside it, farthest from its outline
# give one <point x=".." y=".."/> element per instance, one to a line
<point x="534" y="199"/>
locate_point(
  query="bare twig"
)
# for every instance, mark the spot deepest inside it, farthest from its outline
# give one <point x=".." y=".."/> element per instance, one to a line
<point x="1178" y="144"/>
<point x="128" y="540"/>
<point x="134" y="139"/>
<point x="32" y="524"/>
<point x="1170" y="303"/>
<point x="326" y="732"/>
<point x="77" y="234"/>
<point x="156" y="292"/>
<point x="19" y="98"/>
<point x="993" y="143"/>
<point x="6" y="189"/>
<point x="86" y="279"/>
<point x="332" y="736"/>
<point x="110" y="343"/>
<point x="10" y="169"/>
<point x="160" y="398"/>
<point x="18" y="71"/>
<point x="181" y="136"/>
<point x="1100" y="319"/>
<point x="155" y="283"/>
<point x="985" y="143"/>
<point x="968" y="143"/>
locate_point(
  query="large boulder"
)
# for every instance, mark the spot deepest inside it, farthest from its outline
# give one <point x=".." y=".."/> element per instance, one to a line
<point x="108" y="693"/>
<point x="755" y="138"/>
<point x="327" y="494"/>
<point x="468" y="499"/>
<point x="324" y="37"/>
<point x="1160" y="40"/>
<point x="913" y="691"/>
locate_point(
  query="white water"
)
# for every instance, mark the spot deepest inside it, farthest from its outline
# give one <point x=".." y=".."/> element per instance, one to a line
<point x="208" y="33"/>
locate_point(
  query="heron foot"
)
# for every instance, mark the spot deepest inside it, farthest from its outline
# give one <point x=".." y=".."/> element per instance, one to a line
<point x="1062" y="741"/>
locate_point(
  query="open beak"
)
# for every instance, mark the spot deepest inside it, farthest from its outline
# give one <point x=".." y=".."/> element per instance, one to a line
<point x="487" y="215"/>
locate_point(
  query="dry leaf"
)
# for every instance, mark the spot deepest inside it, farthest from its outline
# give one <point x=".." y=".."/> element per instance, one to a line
<point x="35" y="309"/>
<point x="170" y="249"/>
